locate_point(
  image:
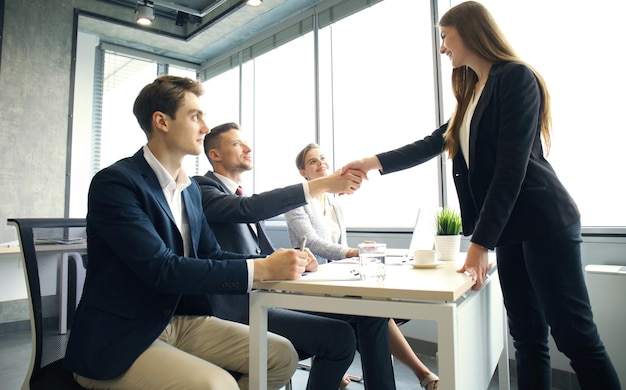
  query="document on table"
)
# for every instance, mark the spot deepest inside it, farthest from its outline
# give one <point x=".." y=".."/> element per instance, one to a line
<point x="336" y="270"/>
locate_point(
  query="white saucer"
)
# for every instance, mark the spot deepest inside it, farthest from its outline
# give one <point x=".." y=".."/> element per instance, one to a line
<point x="425" y="266"/>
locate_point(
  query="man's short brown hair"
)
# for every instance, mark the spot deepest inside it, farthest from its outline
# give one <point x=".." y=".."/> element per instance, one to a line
<point x="165" y="94"/>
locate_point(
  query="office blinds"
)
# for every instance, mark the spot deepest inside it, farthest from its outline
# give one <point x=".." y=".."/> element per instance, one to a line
<point x="117" y="78"/>
<point x="96" y="119"/>
<point x="284" y="33"/>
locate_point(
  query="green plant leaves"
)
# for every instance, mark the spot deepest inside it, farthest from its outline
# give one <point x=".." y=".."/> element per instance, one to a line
<point x="448" y="222"/>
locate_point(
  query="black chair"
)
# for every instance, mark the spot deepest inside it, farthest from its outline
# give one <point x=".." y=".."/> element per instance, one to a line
<point x="53" y="254"/>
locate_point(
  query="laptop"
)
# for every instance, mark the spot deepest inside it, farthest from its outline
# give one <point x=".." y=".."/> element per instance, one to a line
<point x="423" y="237"/>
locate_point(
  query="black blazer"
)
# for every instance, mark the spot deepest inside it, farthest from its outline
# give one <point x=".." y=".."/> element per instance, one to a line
<point x="229" y="215"/>
<point x="137" y="276"/>
<point x="510" y="192"/>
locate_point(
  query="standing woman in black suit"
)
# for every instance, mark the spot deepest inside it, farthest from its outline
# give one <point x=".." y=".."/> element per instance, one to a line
<point x="511" y="199"/>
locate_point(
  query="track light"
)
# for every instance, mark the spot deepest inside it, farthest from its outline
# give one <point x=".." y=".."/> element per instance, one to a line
<point x="145" y="13"/>
<point x="255" y="3"/>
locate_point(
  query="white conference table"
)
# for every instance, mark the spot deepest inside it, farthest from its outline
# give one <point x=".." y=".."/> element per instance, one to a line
<point x="471" y="325"/>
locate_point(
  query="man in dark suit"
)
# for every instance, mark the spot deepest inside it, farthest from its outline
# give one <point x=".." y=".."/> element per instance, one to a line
<point x="142" y="322"/>
<point x="237" y="223"/>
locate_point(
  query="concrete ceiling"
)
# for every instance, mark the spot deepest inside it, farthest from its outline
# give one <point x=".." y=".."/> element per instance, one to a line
<point x="198" y="40"/>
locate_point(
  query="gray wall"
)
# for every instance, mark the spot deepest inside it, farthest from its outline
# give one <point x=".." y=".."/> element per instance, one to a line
<point x="35" y="105"/>
<point x="34" y="96"/>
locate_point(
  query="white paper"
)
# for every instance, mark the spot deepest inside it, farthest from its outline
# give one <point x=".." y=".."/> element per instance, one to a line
<point x="334" y="271"/>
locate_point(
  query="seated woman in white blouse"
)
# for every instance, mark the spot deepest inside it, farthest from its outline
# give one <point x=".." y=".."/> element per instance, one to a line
<point x="321" y="222"/>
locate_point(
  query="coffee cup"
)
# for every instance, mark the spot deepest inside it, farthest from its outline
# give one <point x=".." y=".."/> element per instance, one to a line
<point x="424" y="257"/>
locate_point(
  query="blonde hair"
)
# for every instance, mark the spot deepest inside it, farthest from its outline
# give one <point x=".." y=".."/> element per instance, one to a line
<point x="483" y="37"/>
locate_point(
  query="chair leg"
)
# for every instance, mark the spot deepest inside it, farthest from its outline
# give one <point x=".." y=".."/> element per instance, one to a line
<point x="288" y="386"/>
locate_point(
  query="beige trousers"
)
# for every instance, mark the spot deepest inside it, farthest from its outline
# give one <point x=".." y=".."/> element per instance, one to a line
<point x="195" y="352"/>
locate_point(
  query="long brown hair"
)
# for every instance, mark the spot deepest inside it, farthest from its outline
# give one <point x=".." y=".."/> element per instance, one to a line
<point x="483" y="37"/>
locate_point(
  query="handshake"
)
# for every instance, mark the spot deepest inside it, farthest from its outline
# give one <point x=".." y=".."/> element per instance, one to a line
<point x="346" y="180"/>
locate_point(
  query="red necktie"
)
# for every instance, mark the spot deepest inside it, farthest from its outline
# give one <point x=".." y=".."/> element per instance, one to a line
<point x="253" y="227"/>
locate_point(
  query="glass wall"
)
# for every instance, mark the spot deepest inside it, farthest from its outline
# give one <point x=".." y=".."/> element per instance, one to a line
<point x="377" y="78"/>
<point x="221" y="103"/>
<point x="120" y="134"/>
<point x="281" y="83"/>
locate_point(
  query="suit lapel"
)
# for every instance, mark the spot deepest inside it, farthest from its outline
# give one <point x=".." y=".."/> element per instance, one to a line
<point x="259" y="237"/>
<point x="152" y="183"/>
<point x="482" y="105"/>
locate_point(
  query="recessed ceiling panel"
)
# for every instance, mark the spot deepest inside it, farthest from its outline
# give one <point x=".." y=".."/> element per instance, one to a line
<point x="216" y="34"/>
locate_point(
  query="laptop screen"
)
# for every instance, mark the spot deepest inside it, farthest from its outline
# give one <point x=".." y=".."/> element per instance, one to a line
<point x="423" y="236"/>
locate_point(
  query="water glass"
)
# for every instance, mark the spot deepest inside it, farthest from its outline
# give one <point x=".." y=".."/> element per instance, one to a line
<point x="372" y="261"/>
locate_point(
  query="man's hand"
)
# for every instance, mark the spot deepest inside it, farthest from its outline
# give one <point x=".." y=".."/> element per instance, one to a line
<point x="283" y="264"/>
<point x="364" y="165"/>
<point x="312" y="261"/>
<point x="337" y="183"/>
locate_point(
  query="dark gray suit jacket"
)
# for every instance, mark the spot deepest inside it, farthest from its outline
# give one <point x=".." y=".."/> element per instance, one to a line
<point x="229" y="216"/>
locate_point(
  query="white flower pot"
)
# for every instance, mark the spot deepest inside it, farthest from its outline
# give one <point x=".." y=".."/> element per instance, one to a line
<point x="448" y="247"/>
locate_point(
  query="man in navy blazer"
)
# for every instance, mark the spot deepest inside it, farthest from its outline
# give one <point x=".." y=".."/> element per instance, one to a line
<point x="237" y="223"/>
<point x="143" y="320"/>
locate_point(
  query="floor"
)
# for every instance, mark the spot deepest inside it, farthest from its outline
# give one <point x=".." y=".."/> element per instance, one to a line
<point x="405" y="379"/>
<point x="15" y="355"/>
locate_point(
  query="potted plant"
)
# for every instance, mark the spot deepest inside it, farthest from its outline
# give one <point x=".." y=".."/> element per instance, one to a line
<point x="448" y="237"/>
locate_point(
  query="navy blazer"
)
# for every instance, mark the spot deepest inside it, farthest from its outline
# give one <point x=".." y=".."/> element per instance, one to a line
<point x="137" y="275"/>
<point x="510" y="192"/>
<point x="229" y="216"/>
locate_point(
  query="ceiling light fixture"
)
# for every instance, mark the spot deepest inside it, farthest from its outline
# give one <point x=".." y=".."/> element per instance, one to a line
<point x="145" y="13"/>
<point x="255" y="3"/>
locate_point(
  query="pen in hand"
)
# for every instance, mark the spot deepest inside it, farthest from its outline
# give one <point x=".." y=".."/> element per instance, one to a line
<point x="302" y="246"/>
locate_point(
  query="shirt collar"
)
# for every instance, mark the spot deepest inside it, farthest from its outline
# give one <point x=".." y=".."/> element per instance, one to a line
<point x="165" y="179"/>
<point x="228" y="182"/>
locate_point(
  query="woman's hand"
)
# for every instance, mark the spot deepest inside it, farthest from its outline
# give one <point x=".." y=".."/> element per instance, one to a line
<point x="476" y="264"/>
<point x="364" y="165"/>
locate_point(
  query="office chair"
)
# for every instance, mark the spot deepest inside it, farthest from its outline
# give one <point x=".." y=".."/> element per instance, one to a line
<point x="52" y="252"/>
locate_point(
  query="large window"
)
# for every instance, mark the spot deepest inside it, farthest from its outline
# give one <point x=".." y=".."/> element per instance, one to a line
<point x="373" y="89"/>
<point x="377" y="68"/>
<point x="120" y="135"/>
<point x="375" y="92"/>
<point x="221" y="103"/>
<point x="282" y="111"/>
